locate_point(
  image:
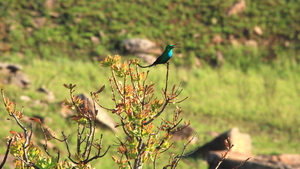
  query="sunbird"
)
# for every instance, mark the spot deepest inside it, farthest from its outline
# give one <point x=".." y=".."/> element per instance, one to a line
<point x="163" y="58"/>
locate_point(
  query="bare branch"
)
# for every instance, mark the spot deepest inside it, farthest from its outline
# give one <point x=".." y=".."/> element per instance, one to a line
<point x="68" y="149"/>
<point x="224" y="156"/>
<point x="6" y="153"/>
<point x="242" y="163"/>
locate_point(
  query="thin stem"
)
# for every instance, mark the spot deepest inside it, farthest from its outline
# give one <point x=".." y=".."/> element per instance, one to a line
<point x="116" y="83"/>
<point x="6" y="153"/>
<point x="167" y="80"/>
<point x="68" y="149"/>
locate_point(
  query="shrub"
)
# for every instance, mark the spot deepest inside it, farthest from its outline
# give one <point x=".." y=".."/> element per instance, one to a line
<point x="136" y="107"/>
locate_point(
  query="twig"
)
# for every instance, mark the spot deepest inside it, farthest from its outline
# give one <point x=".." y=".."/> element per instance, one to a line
<point x="224" y="156"/>
<point x="167" y="80"/>
<point x="158" y="114"/>
<point x="6" y="153"/>
<point x="68" y="149"/>
<point x="242" y="163"/>
<point x="115" y="81"/>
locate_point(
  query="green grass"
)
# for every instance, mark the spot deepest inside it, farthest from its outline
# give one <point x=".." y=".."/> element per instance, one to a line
<point x="69" y="26"/>
<point x="261" y="102"/>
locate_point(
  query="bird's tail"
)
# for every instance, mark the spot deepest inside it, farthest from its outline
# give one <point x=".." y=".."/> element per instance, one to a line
<point x="144" y="66"/>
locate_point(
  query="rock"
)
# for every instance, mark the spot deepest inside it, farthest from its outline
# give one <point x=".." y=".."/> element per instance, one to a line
<point x="5" y="47"/>
<point x="235" y="159"/>
<point x="39" y="22"/>
<point x="142" y="48"/>
<point x="258" y="30"/>
<point x="234" y="42"/>
<point x="25" y="98"/>
<point x="290" y="159"/>
<point x="102" y="119"/>
<point x="20" y="79"/>
<point x="65" y="111"/>
<point x="50" y="4"/>
<point x="215" y="157"/>
<point x="138" y="45"/>
<point x="237" y="7"/>
<point x="146" y="57"/>
<point x="287" y="43"/>
<point x="239" y="155"/>
<point x="217" y="39"/>
<point x="95" y="40"/>
<point x="12" y="73"/>
<point x="286" y="161"/>
<point x="49" y="133"/>
<point x="197" y="62"/>
<point x="50" y="95"/>
<point x="241" y="142"/>
<point x="218" y="60"/>
<point x="213" y="133"/>
<point x="13" y="68"/>
<point x="184" y="133"/>
<point x="251" y="43"/>
<point x="54" y="14"/>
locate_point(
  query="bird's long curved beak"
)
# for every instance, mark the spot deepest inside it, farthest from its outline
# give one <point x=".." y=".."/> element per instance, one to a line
<point x="176" y="44"/>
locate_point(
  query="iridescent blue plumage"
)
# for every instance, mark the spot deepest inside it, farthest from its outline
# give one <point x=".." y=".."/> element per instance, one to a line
<point x="163" y="58"/>
<point x="170" y="53"/>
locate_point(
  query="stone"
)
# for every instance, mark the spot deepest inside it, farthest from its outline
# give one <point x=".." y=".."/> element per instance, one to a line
<point x="235" y="159"/>
<point x="50" y="4"/>
<point x="197" y="62"/>
<point x="218" y="60"/>
<point x="20" y="79"/>
<point x="237" y="7"/>
<point x="215" y="157"/>
<point x="241" y="142"/>
<point x="39" y="22"/>
<point x="50" y="97"/>
<point x="4" y="47"/>
<point x="65" y="111"/>
<point x="102" y="119"/>
<point x="13" y="68"/>
<point x="184" y="133"/>
<point x="13" y="74"/>
<point x="217" y="39"/>
<point x="290" y="159"/>
<point x="146" y="57"/>
<point x="95" y="40"/>
<point x="25" y="98"/>
<point x="286" y="161"/>
<point x="251" y="43"/>
<point x="258" y="30"/>
<point x="239" y="156"/>
<point x="137" y="45"/>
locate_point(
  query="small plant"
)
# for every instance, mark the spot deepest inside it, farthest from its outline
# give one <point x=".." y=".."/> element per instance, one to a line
<point x="137" y="109"/>
<point x="28" y="155"/>
<point x="20" y="145"/>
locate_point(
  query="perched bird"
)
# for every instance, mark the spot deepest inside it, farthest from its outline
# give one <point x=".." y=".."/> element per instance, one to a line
<point x="163" y="58"/>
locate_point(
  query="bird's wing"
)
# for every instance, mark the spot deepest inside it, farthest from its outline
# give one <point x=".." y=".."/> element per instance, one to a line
<point x="158" y="60"/>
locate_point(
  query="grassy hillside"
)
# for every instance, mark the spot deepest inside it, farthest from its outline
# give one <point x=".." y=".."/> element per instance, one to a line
<point x="67" y="28"/>
<point x="262" y="103"/>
